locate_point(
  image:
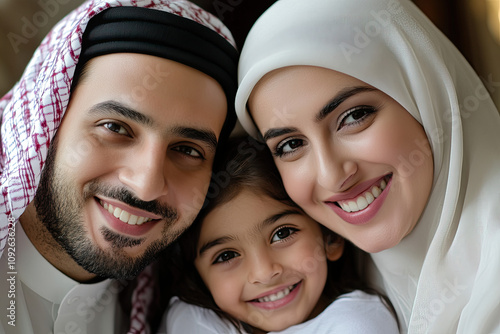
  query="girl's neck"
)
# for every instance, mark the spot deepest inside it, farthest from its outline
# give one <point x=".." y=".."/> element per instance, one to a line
<point x="322" y="304"/>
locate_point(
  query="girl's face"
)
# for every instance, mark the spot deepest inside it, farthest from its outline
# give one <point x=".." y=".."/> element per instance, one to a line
<point x="264" y="262"/>
<point x="349" y="155"/>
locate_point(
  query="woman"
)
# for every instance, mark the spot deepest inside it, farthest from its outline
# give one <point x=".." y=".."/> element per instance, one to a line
<point x="383" y="133"/>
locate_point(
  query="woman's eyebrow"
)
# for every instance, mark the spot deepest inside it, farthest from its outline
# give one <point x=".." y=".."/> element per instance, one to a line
<point x="339" y="98"/>
<point x="325" y="110"/>
<point x="276" y="132"/>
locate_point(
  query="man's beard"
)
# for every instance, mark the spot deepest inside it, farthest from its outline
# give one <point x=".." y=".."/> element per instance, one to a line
<point x="60" y="209"/>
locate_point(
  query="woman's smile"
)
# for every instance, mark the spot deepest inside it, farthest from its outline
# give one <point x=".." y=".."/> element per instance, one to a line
<point x="361" y="208"/>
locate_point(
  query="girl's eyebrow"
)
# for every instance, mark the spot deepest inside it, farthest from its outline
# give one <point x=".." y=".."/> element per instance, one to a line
<point x="274" y="218"/>
<point x="206" y="246"/>
<point x="266" y="222"/>
<point x="324" y="111"/>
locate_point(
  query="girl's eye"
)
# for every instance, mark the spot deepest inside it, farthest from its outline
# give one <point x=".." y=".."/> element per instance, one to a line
<point x="226" y="256"/>
<point x="283" y="233"/>
<point x="287" y="146"/>
<point x="187" y="150"/>
<point x="356" y="115"/>
<point x="117" y="128"/>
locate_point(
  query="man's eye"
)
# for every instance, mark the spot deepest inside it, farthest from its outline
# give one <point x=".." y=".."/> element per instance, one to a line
<point x="117" y="128"/>
<point x="226" y="256"/>
<point x="187" y="150"/>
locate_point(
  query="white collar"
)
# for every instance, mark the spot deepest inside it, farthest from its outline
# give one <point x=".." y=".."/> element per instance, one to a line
<point x="41" y="276"/>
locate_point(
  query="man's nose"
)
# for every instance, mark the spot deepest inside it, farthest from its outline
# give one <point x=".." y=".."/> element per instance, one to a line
<point x="145" y="172"/>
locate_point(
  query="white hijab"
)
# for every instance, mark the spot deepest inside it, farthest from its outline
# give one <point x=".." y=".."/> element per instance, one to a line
<point x="445" y="276"/>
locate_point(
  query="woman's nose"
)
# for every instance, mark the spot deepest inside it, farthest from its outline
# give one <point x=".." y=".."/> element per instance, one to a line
<point x="333" y="168"/>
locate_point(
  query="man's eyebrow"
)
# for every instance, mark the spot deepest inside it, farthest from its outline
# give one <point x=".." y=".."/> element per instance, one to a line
<point x="121" y="110"/>
<point x="339" y="98"/>
<point x="205" y="135"/>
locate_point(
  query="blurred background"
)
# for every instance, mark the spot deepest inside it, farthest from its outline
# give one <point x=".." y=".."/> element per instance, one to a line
<point x="472" y="25"/>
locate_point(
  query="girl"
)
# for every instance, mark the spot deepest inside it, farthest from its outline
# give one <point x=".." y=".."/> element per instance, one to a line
<point x="255" y="259"/>
<point x="384" y="134"/>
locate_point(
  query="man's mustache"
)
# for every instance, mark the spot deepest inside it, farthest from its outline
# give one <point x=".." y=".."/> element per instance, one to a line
<point x="127" y="197"/>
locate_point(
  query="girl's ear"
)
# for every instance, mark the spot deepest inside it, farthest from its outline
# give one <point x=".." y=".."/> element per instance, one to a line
<point x="334" y="247"/>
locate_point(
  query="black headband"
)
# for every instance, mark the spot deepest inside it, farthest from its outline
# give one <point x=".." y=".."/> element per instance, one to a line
<point x="166" y="35"/>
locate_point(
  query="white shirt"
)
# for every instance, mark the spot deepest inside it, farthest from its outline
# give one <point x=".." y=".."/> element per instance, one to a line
<point x="354" y="313"/>
<point x="43" y="300"/>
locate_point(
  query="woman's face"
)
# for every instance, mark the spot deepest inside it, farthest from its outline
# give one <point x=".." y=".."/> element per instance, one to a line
<point x="349" y="155"/>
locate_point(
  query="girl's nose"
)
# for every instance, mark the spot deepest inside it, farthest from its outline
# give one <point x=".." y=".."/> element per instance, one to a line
<point x="263" y="269"/>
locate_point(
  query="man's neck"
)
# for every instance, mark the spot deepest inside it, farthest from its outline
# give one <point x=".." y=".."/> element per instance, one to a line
<point x="43" y="241"/>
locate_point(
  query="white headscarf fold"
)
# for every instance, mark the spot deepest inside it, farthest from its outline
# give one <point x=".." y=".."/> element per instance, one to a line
<point x="443" y="277"/>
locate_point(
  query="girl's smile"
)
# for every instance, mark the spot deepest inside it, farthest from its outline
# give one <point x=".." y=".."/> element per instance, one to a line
<point x="275" y="300"/>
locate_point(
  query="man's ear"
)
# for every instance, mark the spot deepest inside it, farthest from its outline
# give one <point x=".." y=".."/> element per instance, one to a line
<point x="334" y="247"/>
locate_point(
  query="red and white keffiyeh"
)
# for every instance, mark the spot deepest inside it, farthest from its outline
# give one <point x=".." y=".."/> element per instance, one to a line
<point x="33" y="109"/>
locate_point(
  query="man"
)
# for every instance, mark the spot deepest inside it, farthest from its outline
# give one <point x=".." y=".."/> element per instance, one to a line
<point x="128" y="168"/>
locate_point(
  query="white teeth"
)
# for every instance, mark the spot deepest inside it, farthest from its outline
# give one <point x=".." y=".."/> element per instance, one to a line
<point x="376" y="191"/>
<point x="363" y="200"/>
<point x="345" y="207"/>
<point x="276" y="296"/>
<point x="362" y="203"/>
<point x="133" y="220"/>
<point x="124" y="216"/>
<point x="369" y="197"/>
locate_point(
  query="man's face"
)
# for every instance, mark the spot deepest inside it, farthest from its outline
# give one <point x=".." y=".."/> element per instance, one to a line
<point x="131" y="162"/>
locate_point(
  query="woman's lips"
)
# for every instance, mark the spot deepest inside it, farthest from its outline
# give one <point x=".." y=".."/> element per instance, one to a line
<point x="362" y="203"/>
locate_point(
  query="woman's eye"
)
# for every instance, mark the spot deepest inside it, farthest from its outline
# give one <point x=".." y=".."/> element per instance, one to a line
<point x="117" y="128"/>
<point x="288" y="146"/>
<point x="283" y="233"/>
<point x="226" y="256"/>
<point x="356" y="115"/>
<point x="187" y="150"/>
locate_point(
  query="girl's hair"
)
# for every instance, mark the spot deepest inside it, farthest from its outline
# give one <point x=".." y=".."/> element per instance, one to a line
<point x="245" y="165"/>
